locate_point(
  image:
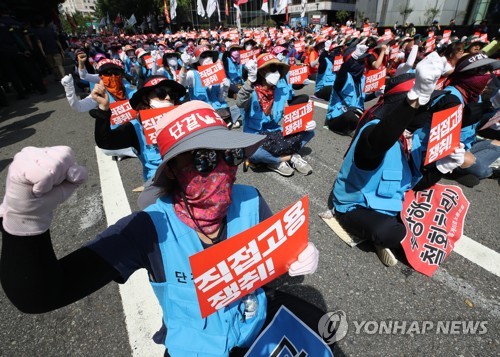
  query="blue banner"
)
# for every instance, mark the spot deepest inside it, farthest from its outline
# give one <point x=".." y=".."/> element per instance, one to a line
<point x="286" y="335"/>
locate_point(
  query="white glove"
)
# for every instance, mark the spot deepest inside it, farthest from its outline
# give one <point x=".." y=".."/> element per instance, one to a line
<point x="427" y="74"/>
<point x="307" y="81"/>
<point x="328" y="44"/>
<point x="380" y="91"/>
<point x="359" y="51"/>
<point x="226" y="82"/>
<point x="400" y="56"/>
<point x="495" y="100"/>
<point x="310" y="126"/>
<point x="252" y="70"/>
<point x="67" y="82"/>
<point x="38" y="180"/>
<point x="451" y="162"/>
<point x="186" y="59"/>
<point x="307" y="262"/>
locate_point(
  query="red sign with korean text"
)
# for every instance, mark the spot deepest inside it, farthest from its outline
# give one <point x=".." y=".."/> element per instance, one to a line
<point x="446" y="35"/>
<point x="440" y="83"/>
<point x="326" y="31"/>
<point x="121" y="112"/>
<point x="300" y="46"/>
<point x="159" y="62"/>
<point x="394" y="52"/>
<point x="246" y="56"/>
<point x="237" y="266"/>
<point x="430" y="44"/>
<point x="149" y="118"/>
<point x="434" y="220"/>
<point x="484" y="37"/>
<point x="296" y="117"/>
<point x="444" y="135"/>
<point x="149" y="61"/>
<point x="349" y="31"/>
<point x="337" y="63"/>
<point x="375" y="79"/>
<point x="212" y="73"/>
<point x="387" y="34"/>
<point x="298" y="74"/>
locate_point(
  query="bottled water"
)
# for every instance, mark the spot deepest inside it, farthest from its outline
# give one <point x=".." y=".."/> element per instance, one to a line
<point x="251" y="305"/>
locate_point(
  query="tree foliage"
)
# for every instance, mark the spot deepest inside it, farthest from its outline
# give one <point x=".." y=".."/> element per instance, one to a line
<point x="405" y="11"/>
<point x="342" y="16"/>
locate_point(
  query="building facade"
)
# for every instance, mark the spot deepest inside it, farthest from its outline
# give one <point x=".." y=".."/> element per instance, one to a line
<point x="86" y="7"/>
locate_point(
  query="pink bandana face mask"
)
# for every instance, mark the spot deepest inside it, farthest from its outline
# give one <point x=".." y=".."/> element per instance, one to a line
<point x="207" y="195"/>
<point x="235" y="56"/>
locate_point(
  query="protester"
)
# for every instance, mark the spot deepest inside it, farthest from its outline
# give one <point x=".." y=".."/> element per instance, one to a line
<point x="201" y="204"/>
<point x="263" y="97"/>
<point x="233" y="69"/>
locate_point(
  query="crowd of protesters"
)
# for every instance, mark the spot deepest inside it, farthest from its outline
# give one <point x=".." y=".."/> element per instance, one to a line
<point x="192" y="176"/>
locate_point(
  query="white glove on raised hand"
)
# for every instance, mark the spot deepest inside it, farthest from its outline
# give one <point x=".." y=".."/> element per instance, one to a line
<point x="427" y="74"/>
<point x="307" y="262"/>
<point x="328" y="44"/>
<point x="359" y="51"/>
<point x="38" y="180"/>
<point x="451" y="162"/>
<point x="495" y="100"/>
<point x="310" y="126"/>
<point x="226" y="82"/>
<point x="67" y="82"/>
<point x="252" y="70"/>
<point x="186" y="59"/>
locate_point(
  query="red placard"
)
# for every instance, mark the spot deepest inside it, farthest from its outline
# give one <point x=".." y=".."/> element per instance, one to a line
<point x="484" y="37"/>
<point x="387" y="34"/>
<point x="121" y="112"/>
<point x="296" y="117"/>
<point x="434" y="220"/>
<point x="394" y="52"/>
<point x="446" y="35"/>
<point x="337" y="63"/>
<point x="375" y="79"/>
<point x="494" y="119"/>
<point x="430" y="34"/>
<point x="300" y="46"/>
<point x="430" y="44"/>
<point x="149" y="118"/>
<point x="246" y="56"/>
<point x="444" y="135"/>
<point x="159" y="62"/>
<point x="149" y="61"/>
<point x="440" y="83"/>
<point x="326" y="31"/>
<point x="235" y="267"/>
<point x="298" y="74"/>
<point x="349" y="31"/>
<point x="212" y="73"/>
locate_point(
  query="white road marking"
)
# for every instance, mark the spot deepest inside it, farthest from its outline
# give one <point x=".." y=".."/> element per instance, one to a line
<point x="142" y="312"/>
<point x="479" y="254"/>
<point x="320" y="105"/>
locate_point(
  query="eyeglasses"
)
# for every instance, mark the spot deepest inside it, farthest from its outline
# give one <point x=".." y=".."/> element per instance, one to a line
<point x="112" y="72"/>
<point x="163" y="92"/>
<point x="205" y="160"/>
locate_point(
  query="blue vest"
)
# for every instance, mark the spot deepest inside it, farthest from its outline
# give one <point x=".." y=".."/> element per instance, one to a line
<point x="348" y="98"/>
<point x="150" y="154"/>
<point x="234" y="72"/>
<point x="468" y="133"/>
<point x="255" y="121"/>
<point x="188" y="334"/>
<point x="326" y="78"/>
<point x="206" y="94"/>
<point x="382" y="189"/>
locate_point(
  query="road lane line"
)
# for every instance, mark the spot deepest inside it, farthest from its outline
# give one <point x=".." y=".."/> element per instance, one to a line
<point x="140" y="306"/>
<point x="479" y="254"/>
<point x="320" y="105"/>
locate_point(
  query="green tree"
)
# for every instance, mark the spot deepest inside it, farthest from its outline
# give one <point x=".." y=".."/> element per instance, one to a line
<point x="431" y="13"/>
<point x="342" y="16"/>
<point x="405" y="11"/>
<point x="80" y="20"/>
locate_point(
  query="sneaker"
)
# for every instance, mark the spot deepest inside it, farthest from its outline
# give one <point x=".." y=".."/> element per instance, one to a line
<point x="386" y="256"/>
<point x="495" y="164"/>
<point x="283" y="168"/>
<point x="237" y="124"/>
<point x="301" y="165"/>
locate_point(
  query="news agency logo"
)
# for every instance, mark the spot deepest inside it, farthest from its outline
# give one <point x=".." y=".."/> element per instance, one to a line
<point x="333" y="326"/>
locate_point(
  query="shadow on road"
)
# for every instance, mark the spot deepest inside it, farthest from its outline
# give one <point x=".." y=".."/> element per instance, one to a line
<point x="19" y="130"/>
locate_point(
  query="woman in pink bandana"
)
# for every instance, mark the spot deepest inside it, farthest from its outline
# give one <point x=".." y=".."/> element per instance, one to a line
<point x="200" y="206"/>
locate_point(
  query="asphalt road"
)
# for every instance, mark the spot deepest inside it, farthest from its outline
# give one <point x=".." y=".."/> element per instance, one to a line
<point x="349" y="279"/>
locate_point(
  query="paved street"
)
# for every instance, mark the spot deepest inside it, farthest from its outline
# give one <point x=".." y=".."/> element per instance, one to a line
<point x="349" y="279"/>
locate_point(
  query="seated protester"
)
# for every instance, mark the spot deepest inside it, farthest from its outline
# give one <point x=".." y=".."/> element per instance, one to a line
<point x="312" y="59"/>
<point x="215" y="94"/>
<point x="346" y="103"/>
<point x="200" y="206"/>
<point x="130" y="63"/>
<point x="171" y="68"/>
<point x="143" y="71"/>
<point x="233" y="69"/>
<point x="472" y="74"/>
<point x="474" y="45"/>
<point x="453" y="52"/>
<point x="376" y="53"/>
<point x="263" y="97"/>
<point x="383" y="162"/>
<point x="157" y="92"/>
<point x="325" y="76"/>
<point x="284" y="85"/>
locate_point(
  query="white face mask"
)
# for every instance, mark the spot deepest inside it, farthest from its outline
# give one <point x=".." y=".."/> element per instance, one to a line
<point x="156" y="103"/>
<point x="206" y="60"/>
<point x="280" y="56"/>
<point x="248" y="47"/>
<point x="172" y="62"/>
<point x="272" y="78"/>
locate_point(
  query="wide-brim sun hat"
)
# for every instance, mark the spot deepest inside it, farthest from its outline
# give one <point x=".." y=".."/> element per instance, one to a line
<point x="474" y="61"/>
<point x="154" y="82"/>
<point x="204" y="48"/>
<point x="196" y="125"/>
<point x="266" y="59"/>
<point x="106" y="63"/>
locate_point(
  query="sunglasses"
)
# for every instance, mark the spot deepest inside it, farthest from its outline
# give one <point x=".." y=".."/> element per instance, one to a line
<point x="163" y="92"/>
<point x="112" y="72"/>
<point x="205" y="160"/>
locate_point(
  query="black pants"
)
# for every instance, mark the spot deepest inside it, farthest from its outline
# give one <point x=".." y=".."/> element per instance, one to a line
<point x="344" y="124"/>
<point x="233" y="90"/>
<point x="299" y="99"/>
<point x="308" y="313"/>
<point x="381" y="229"/>
<point x="324" y="93"/>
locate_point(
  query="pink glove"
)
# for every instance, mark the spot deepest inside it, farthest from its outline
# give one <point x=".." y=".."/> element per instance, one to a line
<point x="307" y="262"/>
<point x="38" y="180"/>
